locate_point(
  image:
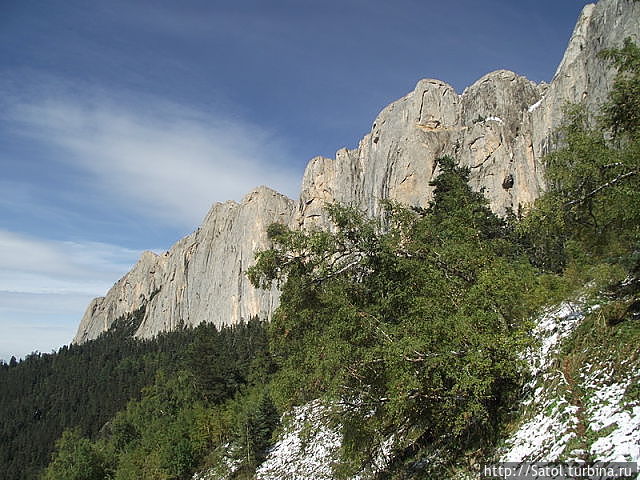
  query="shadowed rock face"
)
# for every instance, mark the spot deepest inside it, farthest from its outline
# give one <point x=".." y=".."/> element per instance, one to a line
<point x="500" y="127"/>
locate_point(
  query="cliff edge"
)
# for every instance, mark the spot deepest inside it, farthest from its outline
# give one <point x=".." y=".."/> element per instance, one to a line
<point x="500" y="127"/>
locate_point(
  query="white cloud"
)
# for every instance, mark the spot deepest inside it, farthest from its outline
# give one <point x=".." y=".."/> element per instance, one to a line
<point x="159" y="158"/>
<point x="46" y="285"/>
<point x="31" y="265"/>
<point x="163" y="160"/>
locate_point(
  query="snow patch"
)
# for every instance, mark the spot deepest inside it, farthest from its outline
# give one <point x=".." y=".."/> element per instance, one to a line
<point x="554" y="326"/>
<point x="306" y="449"/>
<point x="494" y="119"/>
<point x="227" y="468"/>
<point x="550" y="432"/>
<point x="607" y="409"/>
<point x="543" y="438"/>
<point x="532" y="108"/>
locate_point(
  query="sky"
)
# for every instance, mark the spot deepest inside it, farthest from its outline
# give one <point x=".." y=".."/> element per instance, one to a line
<point x="123" y="121"/>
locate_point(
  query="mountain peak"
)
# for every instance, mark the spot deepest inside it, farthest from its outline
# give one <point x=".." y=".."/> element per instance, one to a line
<point x="500" y="127"/>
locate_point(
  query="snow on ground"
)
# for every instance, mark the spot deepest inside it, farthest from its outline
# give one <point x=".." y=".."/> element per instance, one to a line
<point x="550" y="430"/>
<point x="608" y="411"/>
<point x="227" y="467"/>
<point x="545" y="436"/>
<point x="553" y="327"/>
<point x="306" y="449"/>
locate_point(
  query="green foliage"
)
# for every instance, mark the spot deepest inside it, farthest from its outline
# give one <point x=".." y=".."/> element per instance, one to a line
<point x="79" y="386"/>
<point x="256" y="418"/>
<point x="181" y="418"/>
<point x="75" y="459"/>
<point x="185" y="414"/>
<point x="414" y="327"/>
<point x="225" y="360"/>
<point x="157" y="436"/>
<point x="411" y="325"/>
<point x="591" y="212"/>
<point x="597" y="185"/>
<point x="622" y="112"/>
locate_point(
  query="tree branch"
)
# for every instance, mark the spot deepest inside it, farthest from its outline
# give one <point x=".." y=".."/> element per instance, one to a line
<point x="601" y="187"/>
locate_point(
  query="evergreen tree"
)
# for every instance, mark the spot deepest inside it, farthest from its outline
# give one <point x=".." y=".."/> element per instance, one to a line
<point x="591" y="212"/>
<point x="412" y="323"/>
<point x="75" y="459"/>
<point x="79" y="386"/>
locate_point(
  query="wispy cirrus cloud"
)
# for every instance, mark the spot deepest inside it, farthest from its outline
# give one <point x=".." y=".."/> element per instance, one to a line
<point x="161" y="159"/>
<point x="129" y="153"/>
<point x="36" y="266"/>
<point x="46" y="285"/>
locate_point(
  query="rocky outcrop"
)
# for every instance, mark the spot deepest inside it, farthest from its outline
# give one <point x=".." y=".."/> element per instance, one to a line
<point x="201" y="278"/>
<point x="484" y="128"/>
<point x="500" y="127"/>
<point x="582" y="76"/>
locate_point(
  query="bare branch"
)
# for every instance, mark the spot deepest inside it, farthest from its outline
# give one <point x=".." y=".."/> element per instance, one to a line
<point x="585" y="197"/>
<point x="342" y="269"/>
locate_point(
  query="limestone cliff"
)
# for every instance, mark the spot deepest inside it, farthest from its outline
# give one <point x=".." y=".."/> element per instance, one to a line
<point x="201" y="278"/>
<point x="500" y="127"/>
<point x="487" y="128"/>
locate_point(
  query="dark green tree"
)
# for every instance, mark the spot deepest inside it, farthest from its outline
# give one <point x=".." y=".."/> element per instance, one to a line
<point x="75" y="458"/>
<point x="412" y="323"/>
<point x="621" y="113"/>
<point x="256" y="420"/>
<point x="80" y="386"/>
<point x="591" y="211"/>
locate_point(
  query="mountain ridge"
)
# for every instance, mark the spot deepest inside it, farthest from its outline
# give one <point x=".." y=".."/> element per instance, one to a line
<point x="500" y="127"/>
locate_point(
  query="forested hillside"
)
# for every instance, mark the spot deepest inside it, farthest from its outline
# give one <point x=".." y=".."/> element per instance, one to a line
<point x="82" y="387"/>
<point x="411" y="329"/>
<point x="78" y="386"/>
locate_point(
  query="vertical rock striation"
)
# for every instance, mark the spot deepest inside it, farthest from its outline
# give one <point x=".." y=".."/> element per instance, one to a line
<point x="201" y="278"/>
<point x="500" y="127"/>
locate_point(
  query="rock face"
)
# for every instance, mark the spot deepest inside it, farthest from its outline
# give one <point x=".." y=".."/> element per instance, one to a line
<point x="201" y="278"/>
<point x="500" y="127"/>
<point x="487" y="128"/>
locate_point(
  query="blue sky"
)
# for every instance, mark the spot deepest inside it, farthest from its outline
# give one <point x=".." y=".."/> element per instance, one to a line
<point x="121" y="122"/>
